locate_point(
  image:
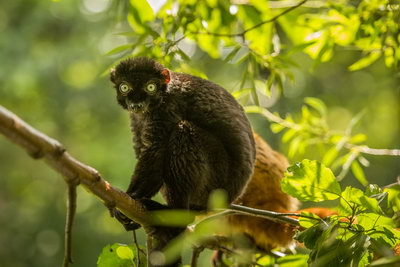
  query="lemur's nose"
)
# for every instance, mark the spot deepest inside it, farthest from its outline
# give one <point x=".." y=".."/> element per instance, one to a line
<point x="135" y="107"/>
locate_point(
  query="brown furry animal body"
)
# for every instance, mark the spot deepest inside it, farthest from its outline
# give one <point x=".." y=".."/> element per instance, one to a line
<point x="264" y="192"/>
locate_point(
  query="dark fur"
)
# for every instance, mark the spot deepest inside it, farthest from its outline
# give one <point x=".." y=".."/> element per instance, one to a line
<point x="191" y="138"/>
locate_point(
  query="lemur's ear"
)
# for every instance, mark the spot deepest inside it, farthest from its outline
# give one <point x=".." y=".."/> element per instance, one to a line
<point x="112" y="75"/>
<point x="165" y="73"/>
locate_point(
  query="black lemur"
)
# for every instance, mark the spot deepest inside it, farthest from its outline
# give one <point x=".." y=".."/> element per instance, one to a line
<point x="190" y="135"/>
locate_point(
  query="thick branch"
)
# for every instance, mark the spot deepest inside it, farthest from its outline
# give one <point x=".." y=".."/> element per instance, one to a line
<point x="38" y="145"/>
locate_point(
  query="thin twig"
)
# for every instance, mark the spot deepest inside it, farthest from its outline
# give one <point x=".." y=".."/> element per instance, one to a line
<point x="71" y="211"/>
<point x="272" y="117"/>
<point x="135" y="241"/>
<point x="374" y="151"/>
<point x="271" y="215"/>
<point x="242" y="33"/>
<point x="393" y="184"/>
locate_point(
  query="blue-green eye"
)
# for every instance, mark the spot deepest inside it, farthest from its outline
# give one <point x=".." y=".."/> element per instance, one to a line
<point x="151" y="87"/>
<point x="124" y="88"/>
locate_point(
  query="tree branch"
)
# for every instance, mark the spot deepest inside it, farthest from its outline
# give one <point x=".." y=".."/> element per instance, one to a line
<point x="243" y="33"/>
<point x="38" y="145"/>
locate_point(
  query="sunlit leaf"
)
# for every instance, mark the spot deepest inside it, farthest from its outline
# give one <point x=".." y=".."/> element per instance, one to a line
<point x="298" y="260"/>
<point x="358" y="173"/>
<point x="330" y="156"/>
<point x="317" y="104"/>
<point x="289" y="134"/>
<point x="119" y="49"/>
<point x="384" y="234"/>
<point x="295" y="146"/>
<point x="393" y="197"/>
<point x="308" y="222"/>
<point x="365" y="61"/>
<point x="117" y="255"/>
<point x="352" y="198"/>
<point x="372" y="189"/>
<point x="310" y="181"/>
<point x="358" y="138"/>
<point x="125" y="253"/>
<point x="276" y="128"/>
<point x="144" y="10"/>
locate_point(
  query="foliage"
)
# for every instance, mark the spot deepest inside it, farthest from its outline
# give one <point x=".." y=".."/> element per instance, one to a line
<point x="362" y="228"/>
<point x="259" y="37"/>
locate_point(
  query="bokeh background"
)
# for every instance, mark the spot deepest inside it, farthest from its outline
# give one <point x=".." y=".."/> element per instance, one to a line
<point x="53" y="74"/>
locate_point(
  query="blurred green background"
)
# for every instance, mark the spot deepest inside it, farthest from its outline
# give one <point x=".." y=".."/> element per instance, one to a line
<point x="52" y="57"/>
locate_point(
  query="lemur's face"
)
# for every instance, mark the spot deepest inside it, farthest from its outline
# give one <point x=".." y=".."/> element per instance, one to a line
<point x="140" y="84"/>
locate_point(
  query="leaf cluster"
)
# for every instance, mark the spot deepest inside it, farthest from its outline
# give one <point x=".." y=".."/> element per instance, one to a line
<point x="364" y="227"/>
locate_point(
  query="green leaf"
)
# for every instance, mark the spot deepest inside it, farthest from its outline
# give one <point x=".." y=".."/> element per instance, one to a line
<point x="117" y="255"/>
<point x="371" y="220"/>
<point x="288" y="135"/>
<point x="141" y="12"/>
<point x="119" y="49"/>
<point x="172" y="217"/>
<point x="393" y="197"/>
<point x="276" y="128"/>
<point x="310" y="181"/>
<point x="372" y="189"/>
<point x="218" y="199"/>
<point x="359" y="173"/>
<point x="355" y="198"/>
<point x="183" y="55"/>
<point x="330" y="156"/>
<point x="308" y="222"/>
<point x="232" y="53"/>
<point x="265" y="260"/>
<point x="385" y="235"/>
<point x="297" y="260"/>
<point x="310" y="236"/>
<point x="144" y="10"/>
<point x="295" y="145"/>
<point x="125" y="253"/>
<point x="387" y="261"/>
<point x="358" y="138"/>
<point x="317" y="104"/>
<point x="365" y="61"/>
<point x="209" y="44"/>
<point x="243" y="92"/>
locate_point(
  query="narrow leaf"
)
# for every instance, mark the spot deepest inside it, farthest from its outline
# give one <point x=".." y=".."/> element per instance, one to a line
<point x="359" y="173"/>
<point x="365" y="61"/>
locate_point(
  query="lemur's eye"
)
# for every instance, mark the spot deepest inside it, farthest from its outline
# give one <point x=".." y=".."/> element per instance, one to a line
<point x="151" y="87"/>
<point x="124" y="88"/>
